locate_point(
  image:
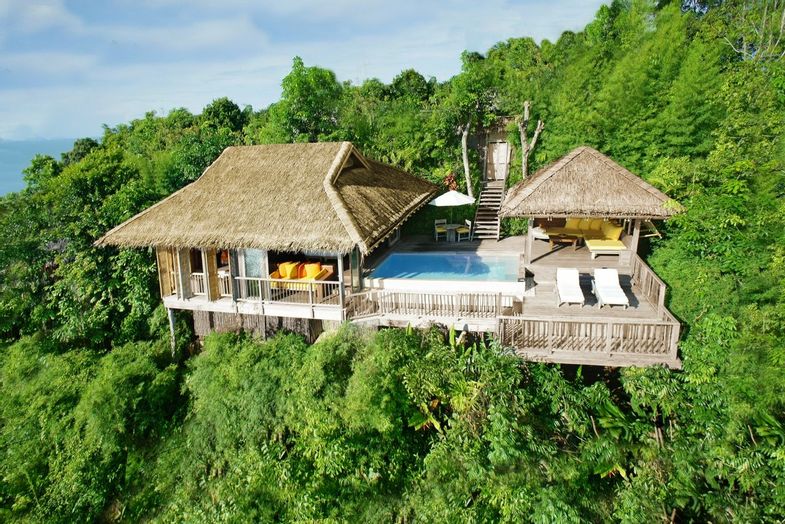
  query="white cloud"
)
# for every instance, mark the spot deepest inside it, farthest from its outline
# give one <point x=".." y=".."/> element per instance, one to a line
<point x="247" y="66"/>
<point x="50" y="63"/>
<point x="209" y="34"/>
<point x="30" y="16"/>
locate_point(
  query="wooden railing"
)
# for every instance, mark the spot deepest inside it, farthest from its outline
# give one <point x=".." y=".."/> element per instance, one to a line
<point x="429" y="305"/>
<point x="198" y="284"/>
<point x="225" y="285"/>
<point x="361" y="305"/>
<point x="626" y="341"/>
<point x="251" y="289"/>
<point x="648" y="283"/>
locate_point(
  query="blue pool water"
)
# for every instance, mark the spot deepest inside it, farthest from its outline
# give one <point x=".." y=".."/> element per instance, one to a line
<point x="449" y="266"/>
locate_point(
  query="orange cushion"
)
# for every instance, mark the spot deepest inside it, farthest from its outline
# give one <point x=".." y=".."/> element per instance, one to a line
<point x="311" y="270"/>
<point x="584" y="223"/>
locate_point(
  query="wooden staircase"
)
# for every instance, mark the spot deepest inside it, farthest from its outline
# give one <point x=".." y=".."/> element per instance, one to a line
<point x="486" y="219"/>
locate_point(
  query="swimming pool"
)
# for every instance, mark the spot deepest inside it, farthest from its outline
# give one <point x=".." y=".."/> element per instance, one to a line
<point x="448" y="266"/>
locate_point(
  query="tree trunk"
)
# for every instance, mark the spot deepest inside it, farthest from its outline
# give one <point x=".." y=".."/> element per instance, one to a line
<point x="526" y="146"/>
<point x="465" y="148"/>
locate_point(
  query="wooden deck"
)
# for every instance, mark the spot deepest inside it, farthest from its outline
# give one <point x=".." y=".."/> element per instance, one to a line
<point x="536" y="327"/>
<point x="528" y="321"/>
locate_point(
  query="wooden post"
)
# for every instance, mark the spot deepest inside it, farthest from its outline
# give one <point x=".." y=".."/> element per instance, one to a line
<point x="608" y="337"/>
<point x="636" y="235"/>
<point x="183" y="274"/>
<point x="163" y="261"/>
<point x="341" y="289"/>
<point x="210" y="265"/>
<point x="170" y="314"/>
<point x="674" y="341"/>
<point x="234" y="270"/>
<point x="549" y="328"/>
<point x="529" y="242"/>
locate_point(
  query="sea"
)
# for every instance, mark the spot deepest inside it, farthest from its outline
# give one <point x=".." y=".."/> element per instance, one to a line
<point x="15" y="156"/>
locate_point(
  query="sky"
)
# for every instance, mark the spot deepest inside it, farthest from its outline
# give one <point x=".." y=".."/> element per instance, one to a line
<point x="69" y="67"/>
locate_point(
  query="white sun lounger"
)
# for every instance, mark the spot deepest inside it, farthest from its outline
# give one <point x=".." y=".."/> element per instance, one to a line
<point x="605" y="286"/>
<point x="568" y="287"/>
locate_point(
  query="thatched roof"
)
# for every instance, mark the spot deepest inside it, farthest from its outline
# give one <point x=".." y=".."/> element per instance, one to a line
<point x="586" y="183"/>
<point x="283" y="197"/>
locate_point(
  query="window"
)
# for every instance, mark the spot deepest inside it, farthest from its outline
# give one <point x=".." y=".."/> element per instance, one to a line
<point x="252" y="263"/>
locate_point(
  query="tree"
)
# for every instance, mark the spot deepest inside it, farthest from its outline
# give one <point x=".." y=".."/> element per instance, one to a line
<point x="308" y="109"/>
<point x="526" y="146"/>
<point x="223" y="113"/>
<point x="410" y="83"/>
<point x="470" y="103"/>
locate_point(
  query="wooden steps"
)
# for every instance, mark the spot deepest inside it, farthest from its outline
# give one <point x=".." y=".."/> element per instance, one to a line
<point x="486" y="219"/>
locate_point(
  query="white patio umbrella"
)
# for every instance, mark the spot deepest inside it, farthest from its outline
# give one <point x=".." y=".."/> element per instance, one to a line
<point x="452" y="199"/>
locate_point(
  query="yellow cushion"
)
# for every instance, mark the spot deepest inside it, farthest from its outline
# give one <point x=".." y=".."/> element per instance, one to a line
<point x="288" y="270"/>
<point x="595" y="224"/>
<point x="616" y="245"/>
<point x="441" y="229"/>
<point x="463" y="230"/>
<point x="584" y="223"/>
<point x="311" y="270"/>
<point x="563" y="231"/>
<point x="611" y="231"/>
<point x="572" y="223"/>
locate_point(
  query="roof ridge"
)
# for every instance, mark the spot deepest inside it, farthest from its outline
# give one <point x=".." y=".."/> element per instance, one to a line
<point x="337" y="202"/>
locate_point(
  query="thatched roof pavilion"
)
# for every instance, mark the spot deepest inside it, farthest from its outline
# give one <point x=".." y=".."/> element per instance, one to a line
<point x="285" y="197"/>
<point x="586" y="183"/>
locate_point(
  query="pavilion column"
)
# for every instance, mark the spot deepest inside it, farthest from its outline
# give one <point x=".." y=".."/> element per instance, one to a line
<point x="529" y="241"/>
<point x="636" y="235"/>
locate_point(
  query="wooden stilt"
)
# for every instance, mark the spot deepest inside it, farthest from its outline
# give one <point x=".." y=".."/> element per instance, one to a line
<point x="170" y="314"/>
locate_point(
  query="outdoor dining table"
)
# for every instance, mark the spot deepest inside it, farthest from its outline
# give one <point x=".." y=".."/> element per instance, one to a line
<point x="451" y="231"/>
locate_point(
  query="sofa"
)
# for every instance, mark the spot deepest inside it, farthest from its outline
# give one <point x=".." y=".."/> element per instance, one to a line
<point x="602" y="237"/>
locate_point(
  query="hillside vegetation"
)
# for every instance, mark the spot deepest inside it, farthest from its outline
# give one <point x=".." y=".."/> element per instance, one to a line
<point x="99" y="422"/>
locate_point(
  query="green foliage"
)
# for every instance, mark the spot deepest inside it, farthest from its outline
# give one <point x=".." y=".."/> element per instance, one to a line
<point x="68" y="461"/>
<point x="308" y="108"/>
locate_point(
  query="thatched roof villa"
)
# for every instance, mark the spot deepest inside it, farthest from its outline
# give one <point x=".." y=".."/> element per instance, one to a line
<point x="279" y="236"/>
<point x="267" y="230"/>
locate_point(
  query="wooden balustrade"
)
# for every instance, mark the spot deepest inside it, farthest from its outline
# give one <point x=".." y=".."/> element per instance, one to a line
<point x="361" y="305"/>
<point x="439" y="305"/>
<point x="648" y="283"/>
<point x="252" y="289"/>
<point x="198" y="283"/>
<point x="225" y="285"/>
<point x="631" y="341"/>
